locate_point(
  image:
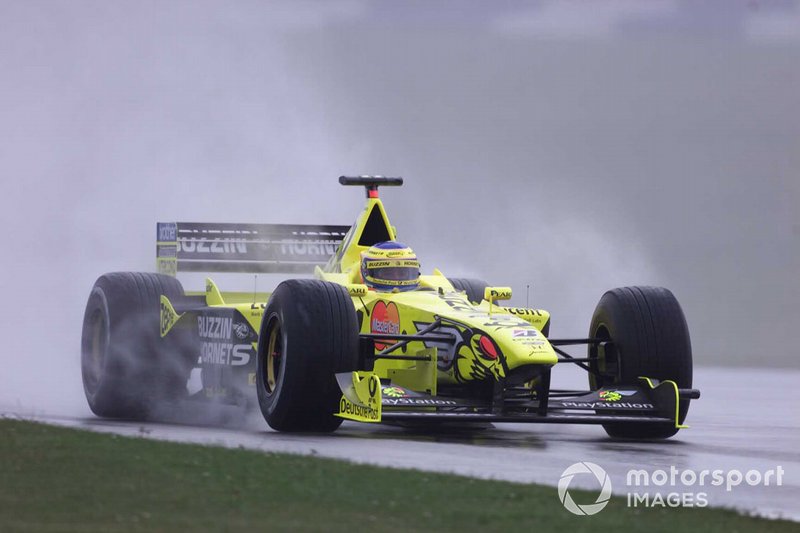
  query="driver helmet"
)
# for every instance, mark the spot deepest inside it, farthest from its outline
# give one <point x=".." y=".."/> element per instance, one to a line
<point x="390" y="266"/>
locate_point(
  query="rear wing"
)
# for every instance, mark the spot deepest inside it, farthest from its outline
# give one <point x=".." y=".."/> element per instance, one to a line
<point x="244" y="248"/>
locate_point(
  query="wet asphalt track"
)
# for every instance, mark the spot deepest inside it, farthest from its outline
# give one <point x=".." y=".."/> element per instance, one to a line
<point x="746" y="419"/>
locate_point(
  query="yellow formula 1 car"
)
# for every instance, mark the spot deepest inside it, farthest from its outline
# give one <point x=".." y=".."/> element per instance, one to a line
<point x="369" y="338"/>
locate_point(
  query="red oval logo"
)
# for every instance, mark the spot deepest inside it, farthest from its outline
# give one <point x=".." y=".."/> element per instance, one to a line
<point x="487" y="347"/>
<point x="385" y="319"/>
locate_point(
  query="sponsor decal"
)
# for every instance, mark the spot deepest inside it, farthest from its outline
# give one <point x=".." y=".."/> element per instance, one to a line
<point x="394" y="392"/>
<point x="320" y="248"/>
<point x="241" y="329"/>
<point x="385" y="318"/>
<point x="168" y="316"/>
<point x="387" y="282"/>
<point x="529" y="332"/>
<point x="484" y="347"/>
<point x="522" y="311"/>
<point x="500" y="293"/>
<point x="212" y="246"/>
<point x="225" y="353"/>
<point x="391" y="263"/>
<point x="214" y="327"/>
<point x="360" y="411"/>
<point x="365" y="405"/>
<point x="168" y="267"/>
<point x="167" y="231"/>
<point x="610" y="396"/>
<point x="602" y="404"/>
<point x="418" y="401"/>
<point x="167" y="251"/>
<point x="500" y="322"/>
<point x="357" y="290"/>
<point x="258" y="242"/>
<point x="537" y="345"/>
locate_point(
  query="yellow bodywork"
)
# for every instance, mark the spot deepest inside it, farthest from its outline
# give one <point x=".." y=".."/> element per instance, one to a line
<point x="514" y="337"/>
<point x="169" y="317"/>
<point x="361" y="397"/>
<point x="512" y="340"/>
<point x="490" y="340"/>
<point x="428" y="341"/>
<point x="250" y="306"/>
<point x="667" y="390"/>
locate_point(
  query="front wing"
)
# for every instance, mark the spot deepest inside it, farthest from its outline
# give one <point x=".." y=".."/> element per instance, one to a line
<point x="366" y="399"/>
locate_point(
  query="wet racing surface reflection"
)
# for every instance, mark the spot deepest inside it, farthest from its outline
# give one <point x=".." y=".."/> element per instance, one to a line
<point x="726" y="434"/>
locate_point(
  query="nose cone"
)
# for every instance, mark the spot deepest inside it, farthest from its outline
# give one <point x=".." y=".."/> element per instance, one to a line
<point x="524" y="345"/>
<point x="499" y="351"/>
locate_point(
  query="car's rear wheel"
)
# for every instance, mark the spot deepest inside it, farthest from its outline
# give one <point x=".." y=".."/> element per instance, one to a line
<point x="473" y="287"/>
<point x="308" y="334"/>
<point x="649" y="337"/>
<point x="127" y="369"/>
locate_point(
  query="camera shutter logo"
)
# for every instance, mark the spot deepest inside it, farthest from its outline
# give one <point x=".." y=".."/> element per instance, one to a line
<point x="584" y="468"/>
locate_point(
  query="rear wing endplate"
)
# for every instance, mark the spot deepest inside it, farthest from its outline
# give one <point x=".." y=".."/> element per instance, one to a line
<point x="244" y="248"/>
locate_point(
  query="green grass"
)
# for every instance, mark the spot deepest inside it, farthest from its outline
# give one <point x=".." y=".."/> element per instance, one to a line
<point x="56" y="479"/>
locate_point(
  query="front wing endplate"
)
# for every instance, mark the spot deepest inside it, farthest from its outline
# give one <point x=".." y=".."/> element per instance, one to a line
<point x="361" y="396"/>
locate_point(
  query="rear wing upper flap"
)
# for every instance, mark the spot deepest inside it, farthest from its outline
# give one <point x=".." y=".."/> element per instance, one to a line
<point x="244" y="248"/>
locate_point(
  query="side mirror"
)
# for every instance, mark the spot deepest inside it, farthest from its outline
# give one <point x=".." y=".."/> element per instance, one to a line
<point x="494" y="294"/>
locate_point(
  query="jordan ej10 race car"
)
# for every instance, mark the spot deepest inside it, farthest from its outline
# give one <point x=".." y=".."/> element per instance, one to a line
<point x="318" y="351"/>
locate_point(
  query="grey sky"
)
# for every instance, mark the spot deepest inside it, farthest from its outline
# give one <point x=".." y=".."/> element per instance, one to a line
<point x="546" y="143"/>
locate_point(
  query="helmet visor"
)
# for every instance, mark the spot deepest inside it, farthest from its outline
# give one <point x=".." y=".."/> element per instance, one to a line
<point x="394" y="273"/>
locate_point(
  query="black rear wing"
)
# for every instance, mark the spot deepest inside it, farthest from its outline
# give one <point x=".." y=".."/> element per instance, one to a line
<point x="244" y="248"/>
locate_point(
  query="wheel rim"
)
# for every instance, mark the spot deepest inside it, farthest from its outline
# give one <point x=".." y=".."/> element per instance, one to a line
<point x="599" y="361"/>
<point x="95" y="356"/>
<point x="272" y="370"/>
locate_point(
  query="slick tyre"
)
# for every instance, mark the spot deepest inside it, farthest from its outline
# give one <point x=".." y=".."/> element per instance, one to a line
<point x="308" y="334"/>
<point x="650" y="338"/>
<point x="473" y="287"/>
<point x="126" y="367"/>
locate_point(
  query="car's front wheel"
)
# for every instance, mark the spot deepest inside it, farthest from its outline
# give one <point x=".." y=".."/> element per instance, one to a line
<point x="649" y="338"/>
<point x="308" y="334"/>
